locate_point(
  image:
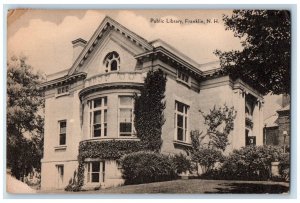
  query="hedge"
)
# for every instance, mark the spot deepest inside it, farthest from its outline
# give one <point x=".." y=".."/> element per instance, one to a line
<point x="146" y="166"/>
<point x="248" y="163"/>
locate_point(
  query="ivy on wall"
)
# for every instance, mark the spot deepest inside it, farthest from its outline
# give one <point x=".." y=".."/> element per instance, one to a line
<point x="148" y="110"/>
<point x="109" y="149"/>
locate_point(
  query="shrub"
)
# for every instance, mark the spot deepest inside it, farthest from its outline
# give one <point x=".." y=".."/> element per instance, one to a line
<point x="250" y="163"/>
<point x="145" y="167"/>
<point x="181" y="163"/>
<point x="73" y="184"/>
<point x="284" y="166"/>
<point x="207" y="158"/>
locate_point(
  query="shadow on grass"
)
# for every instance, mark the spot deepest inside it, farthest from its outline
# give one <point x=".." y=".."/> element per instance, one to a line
<point x="253" y="188"/>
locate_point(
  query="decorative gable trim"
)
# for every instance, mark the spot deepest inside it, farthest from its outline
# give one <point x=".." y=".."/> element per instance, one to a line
<point x="107" y="24"/>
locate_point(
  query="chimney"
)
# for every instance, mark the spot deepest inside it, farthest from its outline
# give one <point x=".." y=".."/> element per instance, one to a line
<point x="78" y="45"/>
<point x="285" y="100"/>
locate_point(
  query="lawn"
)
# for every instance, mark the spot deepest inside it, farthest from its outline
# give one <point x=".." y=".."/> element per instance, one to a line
<point x="197" y="186"/>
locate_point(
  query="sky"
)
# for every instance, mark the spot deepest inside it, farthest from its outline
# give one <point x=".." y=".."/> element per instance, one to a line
<point x="44" y="36"/>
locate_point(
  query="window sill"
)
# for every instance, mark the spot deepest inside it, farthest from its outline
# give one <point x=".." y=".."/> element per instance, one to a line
<point x="60" y="148"/>
<point x="182" y="143"/>
<point x="95" y="139"/>
<point x="183" y="82"/>
<point x="61" y="95"/>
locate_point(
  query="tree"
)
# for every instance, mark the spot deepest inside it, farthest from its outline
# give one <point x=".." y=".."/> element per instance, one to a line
<point x="148" y="110"/>
<point x="24" y="121"/>
<point x="207" y="148"/>
<point x="265" y="60"/>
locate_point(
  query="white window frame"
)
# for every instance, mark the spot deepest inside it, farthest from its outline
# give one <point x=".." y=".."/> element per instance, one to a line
<point x="185" y="124"/>
<point x="59" y="134"/>
<point x="102" y="108"/>
<point x="89" y="172"/>
<point x="132" y="133"/>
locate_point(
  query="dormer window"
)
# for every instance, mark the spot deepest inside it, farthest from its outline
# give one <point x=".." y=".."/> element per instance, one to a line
<point x="112" y="62"/>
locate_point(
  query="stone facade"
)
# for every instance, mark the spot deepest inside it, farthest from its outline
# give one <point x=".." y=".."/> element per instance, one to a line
<point x="93" y="101"/>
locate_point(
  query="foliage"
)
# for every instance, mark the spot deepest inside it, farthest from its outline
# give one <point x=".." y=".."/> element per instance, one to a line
<point x="181" y="163"/>
<point x="207" y="158"/>
<point x="108" y="149"/>
<point x="250" y="163"/>
<point x="265" y="60"/>
<point x="284" y="166"/>
<point x="73" y="183"/>
<point x="222" y="117"/>
<point x="24" y="122"/>
<point x="206" y="147"/>
<point x="148" y="110"/>
<point x="145" y="167"/>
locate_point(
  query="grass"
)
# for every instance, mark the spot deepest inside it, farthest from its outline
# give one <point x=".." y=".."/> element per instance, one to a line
<point x="198" y="186"/>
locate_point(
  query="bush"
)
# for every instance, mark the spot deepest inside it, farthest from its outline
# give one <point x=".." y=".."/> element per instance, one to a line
<point x="250" y="163"/>
<point x="181" y="163"/>
<point x="284" y="166"/>
<point x="207" y="158"/>
<point x="145" y="167"/>
<point x="73" y="184"/>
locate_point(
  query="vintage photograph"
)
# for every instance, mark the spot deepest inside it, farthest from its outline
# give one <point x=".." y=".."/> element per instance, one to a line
<point x="148" y="101"/>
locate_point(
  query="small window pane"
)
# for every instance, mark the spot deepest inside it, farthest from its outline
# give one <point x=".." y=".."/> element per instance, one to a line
<point x="125" y="115"/>
<point x="95" y="166"/>
<point x="105" y="101"/>
<point x="97" y="130"/>
<point x="126" y="101"/>
<point x="180" y="107"/>
<point x="180" y="134"/>
<point x="180" y="120"/>
<point x="95" y="177"/>
<point x="97" y="117"/>
<point x="105" y="116"/>
<point x="114" y="65"/>
<point x="62" y="139"/>
<point x="97" y="102"/>
<point x="63" y="127"/>
<point x="125" y="127"/>
<point x="105" y="129"/>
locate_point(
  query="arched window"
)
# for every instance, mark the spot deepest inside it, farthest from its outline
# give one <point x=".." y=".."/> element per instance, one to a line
<point x="112" y="62"/>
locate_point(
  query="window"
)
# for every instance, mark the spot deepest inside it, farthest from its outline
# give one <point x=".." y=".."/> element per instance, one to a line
<point x="112" y="62"/>
<point x="62" y="132"/>
<point x="182" y="77"/>
<point x="95" y="171"/>
<point x="98" y="117"/>
<point x="125" y="116"/>
<point x="63" y="90"/>
<point x="181" y="121"/>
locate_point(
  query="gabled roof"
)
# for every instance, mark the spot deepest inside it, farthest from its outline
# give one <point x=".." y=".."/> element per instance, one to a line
<point x="271" y="121"/>
<point x="286" y="108"/>
<point x="153" y="47"/>
<point x="107" y="23"/>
